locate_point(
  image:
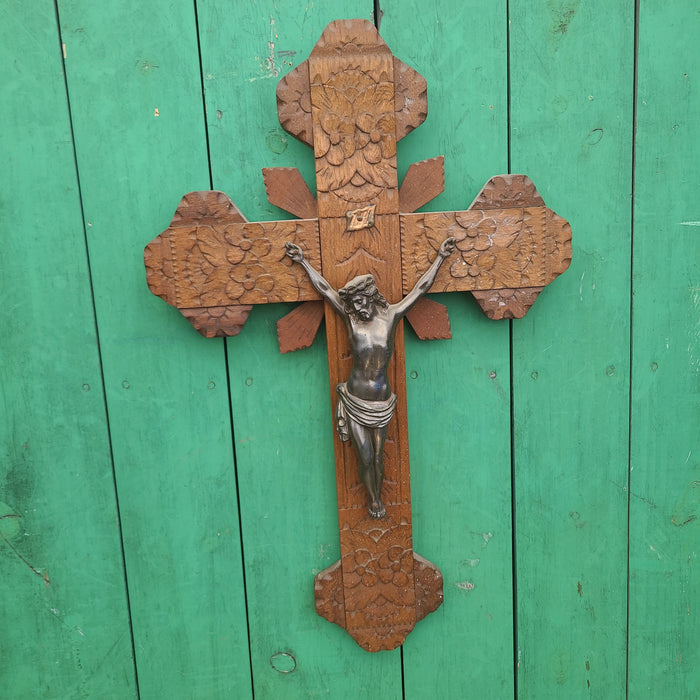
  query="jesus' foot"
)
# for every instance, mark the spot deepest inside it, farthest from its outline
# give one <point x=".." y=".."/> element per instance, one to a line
<point x="377" y="510"/>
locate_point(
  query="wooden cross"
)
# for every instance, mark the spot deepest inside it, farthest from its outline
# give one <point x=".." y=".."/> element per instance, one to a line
<point x="351" y="101"/>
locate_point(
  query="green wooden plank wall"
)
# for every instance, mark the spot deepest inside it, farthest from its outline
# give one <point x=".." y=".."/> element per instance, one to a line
<point x="162" y="508"/>
<point x="572" y="80"/>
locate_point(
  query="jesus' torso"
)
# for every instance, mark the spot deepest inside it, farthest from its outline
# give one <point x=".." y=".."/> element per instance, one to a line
<point x="371" y="344"/>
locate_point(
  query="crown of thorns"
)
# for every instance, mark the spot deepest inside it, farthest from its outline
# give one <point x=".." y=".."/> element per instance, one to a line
<point x="364" y="284"/>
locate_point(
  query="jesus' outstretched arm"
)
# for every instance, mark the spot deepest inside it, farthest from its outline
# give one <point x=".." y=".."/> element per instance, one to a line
<point x="424" y="284"/>
<point x="321" y="285"/>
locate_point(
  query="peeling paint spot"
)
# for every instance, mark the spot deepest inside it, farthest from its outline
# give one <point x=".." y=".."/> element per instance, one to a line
<point x="464" y="585"/>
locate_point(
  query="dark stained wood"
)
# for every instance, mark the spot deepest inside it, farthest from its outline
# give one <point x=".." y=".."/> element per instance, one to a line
<point x="299" y="327"/>
<point x="352" y="101"/>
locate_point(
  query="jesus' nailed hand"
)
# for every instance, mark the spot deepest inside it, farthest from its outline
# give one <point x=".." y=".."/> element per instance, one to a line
<point x="365" y="402"/>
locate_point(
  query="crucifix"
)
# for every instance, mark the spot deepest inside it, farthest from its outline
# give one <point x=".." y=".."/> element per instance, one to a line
<point x="360" y="257"/>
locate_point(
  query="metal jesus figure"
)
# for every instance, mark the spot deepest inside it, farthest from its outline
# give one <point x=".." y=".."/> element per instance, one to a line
<point x="366" y="402"/>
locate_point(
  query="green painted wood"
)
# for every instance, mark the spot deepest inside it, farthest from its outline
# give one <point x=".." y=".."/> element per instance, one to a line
<point x="571" y="131"/>
<point x="459" y="417"/>
<point x="135" y="90"/>
<point x="283" y="420"/>
<point x="664" y="636"/>
<point x="63" y="609"/>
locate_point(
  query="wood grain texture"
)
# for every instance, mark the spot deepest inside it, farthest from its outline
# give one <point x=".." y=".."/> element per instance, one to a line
<point x="498" y="304"/>
<point x="572" y="125"/>
<point x="286" y="188"/>
<point x="423" y="182"/>
<point x="64" y="600"/>
<point x="299" y="327"/>
<point x="429" y="320"/>
<point x="135" y="91"/>
<point x="663" y="634"/>
<point x="218" y="321"/>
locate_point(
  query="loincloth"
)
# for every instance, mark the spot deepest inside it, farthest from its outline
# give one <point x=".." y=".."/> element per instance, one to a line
<point x="370" y="414"/>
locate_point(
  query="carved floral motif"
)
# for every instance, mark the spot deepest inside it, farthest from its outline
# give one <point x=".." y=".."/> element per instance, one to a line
<point x="355" y="143"/>
<point x="218" y="321"/>
<point x="380" y="588"/>
<point x="294" y="104"/>
<point x="508" y="192"/>
<point x="410" y="98"/>
<point x="498" y="248"/>
<point x="499" y="304"/>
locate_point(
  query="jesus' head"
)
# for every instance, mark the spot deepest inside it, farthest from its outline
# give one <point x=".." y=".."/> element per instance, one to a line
<point x="360" y="297"/>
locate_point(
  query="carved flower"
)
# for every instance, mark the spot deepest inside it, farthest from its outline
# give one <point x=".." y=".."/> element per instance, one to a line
<point x="374" y="135"/>
<point x="218" y="321"/>
<point x="248" y="278"/>
<point x="353" y="135"/>
<point x="337" y="140"/>
<point x="389" y="567"/>
<point x="475" y="265"/>
<point x="248" y="241"/>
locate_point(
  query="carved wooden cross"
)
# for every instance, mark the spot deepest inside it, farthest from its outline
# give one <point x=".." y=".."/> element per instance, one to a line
<point x="351" y="101"/>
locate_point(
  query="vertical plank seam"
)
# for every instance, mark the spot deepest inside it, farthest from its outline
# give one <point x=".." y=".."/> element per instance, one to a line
<point x="633" y="164"/>
<point x="377" y="13"/>
<point x="226" y="365"/>
<point x="204" y="96"/>
<point x="99" y="349"/>
<point x="511" y="348"/>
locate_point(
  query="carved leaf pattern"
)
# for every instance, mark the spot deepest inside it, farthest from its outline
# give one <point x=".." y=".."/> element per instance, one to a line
<point x="347" y="37"/>
<point x="328" y="592"/>
<point x="380" y="588"/>
<point x="206" y="207"/>
<point x="159" y="268"/>
<point x="378" y="583"/>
